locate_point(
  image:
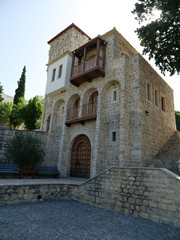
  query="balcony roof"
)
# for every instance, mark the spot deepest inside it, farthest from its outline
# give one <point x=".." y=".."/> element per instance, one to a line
<point x="65" y="30"/>
<point x="90" y="44"/>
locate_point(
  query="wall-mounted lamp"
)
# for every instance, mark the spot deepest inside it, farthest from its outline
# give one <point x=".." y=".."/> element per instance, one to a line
<point x="147" y="113"/>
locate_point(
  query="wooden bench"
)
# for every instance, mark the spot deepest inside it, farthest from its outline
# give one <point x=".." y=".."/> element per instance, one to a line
<point x="7" y="168"/>
<point x="51" y="170"/>
<point x="32" y="172"/>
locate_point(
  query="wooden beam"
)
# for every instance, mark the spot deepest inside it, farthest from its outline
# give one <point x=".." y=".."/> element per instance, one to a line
<point x="104" y="55"/>
<point x="84" y="60"/>
<point x="97" y="52"/>
<point x="73" y="59"/>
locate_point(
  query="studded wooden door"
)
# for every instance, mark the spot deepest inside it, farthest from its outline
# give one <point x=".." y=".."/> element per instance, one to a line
<point x="80" y="157"/>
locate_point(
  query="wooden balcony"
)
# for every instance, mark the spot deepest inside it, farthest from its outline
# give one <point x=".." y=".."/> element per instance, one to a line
<point x="91" y="67"/>
<point x="88" y="113"/>
<point x="91" y="70"/>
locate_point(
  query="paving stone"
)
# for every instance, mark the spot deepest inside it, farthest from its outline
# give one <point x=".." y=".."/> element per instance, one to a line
<point x="71" y="220"/>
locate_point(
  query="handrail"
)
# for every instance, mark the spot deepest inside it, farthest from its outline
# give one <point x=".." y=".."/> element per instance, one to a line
<point x="88" y="110"/>
<point x="89" y="64"/>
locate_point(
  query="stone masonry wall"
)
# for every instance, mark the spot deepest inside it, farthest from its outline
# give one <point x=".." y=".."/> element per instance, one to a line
<point x="6" y="135"/>
<point x="169" y="154"/>
<point x="152" y="194"/>
<point x="147" y="193"/>
<point x="159" y="125"/>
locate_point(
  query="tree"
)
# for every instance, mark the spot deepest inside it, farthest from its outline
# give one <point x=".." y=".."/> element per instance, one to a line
<point x="32" y="112"/>
<point x="16" y="116"/>
<point x="25" y="150"/>
<point x="160" y="38"/>
<point x="5" y="111"/>
<point x="20" y="91"/>
<point x="177" y="115"/>
<point x="1" y="91"/>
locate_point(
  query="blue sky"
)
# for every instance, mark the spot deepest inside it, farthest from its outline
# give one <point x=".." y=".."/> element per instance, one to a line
<point x="27" y="25"/>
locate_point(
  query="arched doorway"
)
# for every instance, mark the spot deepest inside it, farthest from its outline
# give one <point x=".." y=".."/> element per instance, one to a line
<point x="80" y="157"/>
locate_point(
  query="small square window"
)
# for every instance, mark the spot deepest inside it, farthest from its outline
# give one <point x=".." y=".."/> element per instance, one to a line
<point x="53" y="74"/>
<point x="60" y="71"/>
<point x="113" y="136"/>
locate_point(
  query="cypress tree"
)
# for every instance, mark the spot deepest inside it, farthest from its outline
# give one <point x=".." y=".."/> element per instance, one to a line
<point x="20" y="91"/>
<point x="1" y="91"/>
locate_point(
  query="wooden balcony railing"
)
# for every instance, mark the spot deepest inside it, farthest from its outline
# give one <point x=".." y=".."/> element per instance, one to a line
<point x="89" y="64"/>
<point x="88" y="113"/>
<point x="72" y="113"/>
<point x="89" y="110"/>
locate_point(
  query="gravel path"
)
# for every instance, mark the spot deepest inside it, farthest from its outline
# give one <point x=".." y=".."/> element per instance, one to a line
<point x="70" y="220"/>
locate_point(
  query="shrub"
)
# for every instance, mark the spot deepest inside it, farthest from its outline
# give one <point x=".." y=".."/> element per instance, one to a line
<point x="25" y="150"/>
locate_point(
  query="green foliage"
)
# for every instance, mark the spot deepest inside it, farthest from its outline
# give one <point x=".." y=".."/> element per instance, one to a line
<point x="1" y="91"/>
<point x="16" y="116"/>
<point x="32" y="112"/>
<point x="38" y="124"/>
<point x="160" y="38"/>
<point x="20" y="91"/>
<point x="5" y="111"/>
<point x="26" y="151"/>
<point x="177" y="115"/>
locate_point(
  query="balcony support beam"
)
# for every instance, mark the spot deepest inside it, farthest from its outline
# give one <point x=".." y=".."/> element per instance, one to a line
<point x="73" y="59"/>
<point x="98" y="52"/>
<point x="84" y="60"/>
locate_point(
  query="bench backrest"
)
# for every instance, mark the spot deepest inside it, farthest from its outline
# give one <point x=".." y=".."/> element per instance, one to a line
<point x="7" y="168"/>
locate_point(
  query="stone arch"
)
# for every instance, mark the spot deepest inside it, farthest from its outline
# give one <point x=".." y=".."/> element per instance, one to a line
<point x="87" y="95"/>
<point x="58" y="115"/>
<point x="73" y="107"/>
<point x="80" y="157"/>
<point x="72" y="100"/>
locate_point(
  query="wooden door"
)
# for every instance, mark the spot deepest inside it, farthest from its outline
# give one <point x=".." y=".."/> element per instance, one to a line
<point x="81" y="157"/>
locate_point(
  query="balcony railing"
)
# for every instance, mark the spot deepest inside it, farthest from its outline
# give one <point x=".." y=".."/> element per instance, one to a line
<point x="88" y="113"/>
<point x="89" y="64"/>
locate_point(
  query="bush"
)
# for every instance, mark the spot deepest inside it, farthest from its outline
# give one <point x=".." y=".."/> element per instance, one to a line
<point x="26" y="151"/>
<point x="177" y="115"/>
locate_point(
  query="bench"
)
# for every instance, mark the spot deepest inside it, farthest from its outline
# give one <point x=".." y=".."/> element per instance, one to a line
<point x="32" y="172"/>
<point x="47" y="170"/>
<point x="7" y="168"/>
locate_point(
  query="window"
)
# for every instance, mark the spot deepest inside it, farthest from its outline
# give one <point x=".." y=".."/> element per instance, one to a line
<point x="163" y="104"/>
<point x="156" y="98"/>
<point x="53" y="74"/>
<point x="62" y="110"/>
<point x="149" y="92"/>
<point x="114" y="95"/>
<point x="60" y="71"/>
<point x="113" y="136"/>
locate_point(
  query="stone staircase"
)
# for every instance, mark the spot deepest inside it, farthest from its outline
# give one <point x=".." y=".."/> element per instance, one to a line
<point x="169" y="154"/>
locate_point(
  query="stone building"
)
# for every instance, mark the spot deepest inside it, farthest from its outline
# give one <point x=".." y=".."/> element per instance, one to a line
<point x="104" y="104"/>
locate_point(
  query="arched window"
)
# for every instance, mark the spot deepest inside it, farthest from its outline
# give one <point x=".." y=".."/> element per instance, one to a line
<point x="76" y="106"/>
<point x="48" y="123"/>
<point x="94" y="98"/>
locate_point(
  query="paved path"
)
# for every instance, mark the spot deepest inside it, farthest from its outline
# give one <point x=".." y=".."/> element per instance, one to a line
<point x="70" y="220"/>
<point x="69" y="181"/>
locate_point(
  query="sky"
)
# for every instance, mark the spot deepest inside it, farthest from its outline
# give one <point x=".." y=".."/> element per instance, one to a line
<point x="27" y="25"/>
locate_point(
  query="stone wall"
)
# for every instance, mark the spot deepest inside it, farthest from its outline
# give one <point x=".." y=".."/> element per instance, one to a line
<point x="169" y="154"/>
<point x="6" y="135"/>
<point x="152" y="194"/>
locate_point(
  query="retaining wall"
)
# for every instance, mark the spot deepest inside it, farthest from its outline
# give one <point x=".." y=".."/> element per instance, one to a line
<point x="152" y="194"/>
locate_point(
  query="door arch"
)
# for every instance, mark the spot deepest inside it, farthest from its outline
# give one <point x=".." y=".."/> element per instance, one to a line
<point x="81" y="157"/>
